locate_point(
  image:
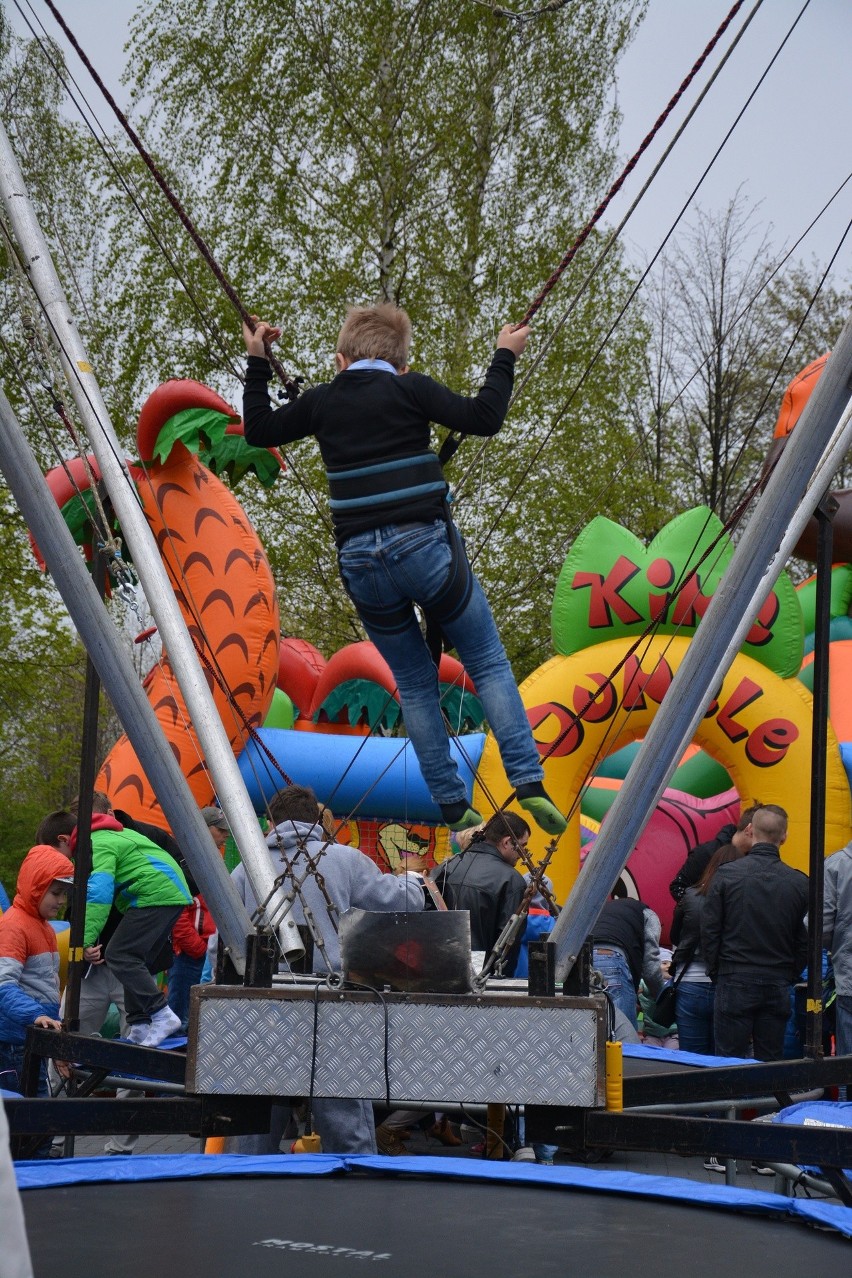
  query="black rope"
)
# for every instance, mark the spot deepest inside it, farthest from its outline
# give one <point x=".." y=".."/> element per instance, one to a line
<point x="632" y="295"/>
<point x="568" y="258"/>
<point x="290" y="384"/>
<point x="66" y="78"/>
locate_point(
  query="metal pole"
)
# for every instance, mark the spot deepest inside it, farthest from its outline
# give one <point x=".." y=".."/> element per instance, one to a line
<point x="83" y="853"/>
<point x="29" y="488"/>
<point x="790" y="497"/>
<point x="819" y="752"/>
<point x="228" y="782"/>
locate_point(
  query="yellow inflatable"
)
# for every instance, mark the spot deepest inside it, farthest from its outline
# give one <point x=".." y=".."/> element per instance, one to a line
<point x="758" y="727"/>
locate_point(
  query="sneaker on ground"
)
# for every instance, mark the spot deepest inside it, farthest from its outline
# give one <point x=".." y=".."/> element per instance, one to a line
<point x="714" y="1165"/>
<point x="526" y="1154"/>
<point x="163" y="1024"/>
<point x="139" y="1032"/>
<point x="760" y="1169"/>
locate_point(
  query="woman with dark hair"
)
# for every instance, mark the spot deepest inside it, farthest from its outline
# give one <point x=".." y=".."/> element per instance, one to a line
<point x="695" y="991"/>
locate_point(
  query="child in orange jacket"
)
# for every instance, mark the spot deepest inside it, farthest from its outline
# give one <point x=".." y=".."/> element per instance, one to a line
<point x="29" y="961"/>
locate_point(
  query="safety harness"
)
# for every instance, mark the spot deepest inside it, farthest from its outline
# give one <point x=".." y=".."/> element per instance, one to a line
<point x="398" y="482"/>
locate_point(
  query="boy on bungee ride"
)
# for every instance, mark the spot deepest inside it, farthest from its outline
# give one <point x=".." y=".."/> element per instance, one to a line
<point x="397" y="544"/>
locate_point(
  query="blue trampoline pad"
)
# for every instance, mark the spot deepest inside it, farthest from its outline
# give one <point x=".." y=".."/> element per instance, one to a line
<point x="410" y="1217"/>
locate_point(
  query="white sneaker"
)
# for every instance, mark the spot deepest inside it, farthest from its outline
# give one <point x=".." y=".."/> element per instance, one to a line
<point x="163" y="1024"/>
<point x="139" y="1032"/>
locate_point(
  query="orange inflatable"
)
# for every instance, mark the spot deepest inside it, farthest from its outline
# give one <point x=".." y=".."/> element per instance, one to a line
<point x="220" y="574"/>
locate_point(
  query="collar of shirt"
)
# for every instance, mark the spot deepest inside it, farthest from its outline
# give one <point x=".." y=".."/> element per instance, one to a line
<point x="374" y="365"/>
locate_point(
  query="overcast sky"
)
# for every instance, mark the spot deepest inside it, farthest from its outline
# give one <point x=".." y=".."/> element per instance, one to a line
<point x="790" y="151"/>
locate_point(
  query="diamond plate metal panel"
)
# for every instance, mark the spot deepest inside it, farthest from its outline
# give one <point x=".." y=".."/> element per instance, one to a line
<point x="476" y="1049"/>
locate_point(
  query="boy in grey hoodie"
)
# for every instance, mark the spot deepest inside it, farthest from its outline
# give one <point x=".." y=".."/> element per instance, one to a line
<point x="298" y="845"/>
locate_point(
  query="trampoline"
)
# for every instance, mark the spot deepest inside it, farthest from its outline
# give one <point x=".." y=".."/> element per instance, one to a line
<point x="324" y="1214"/>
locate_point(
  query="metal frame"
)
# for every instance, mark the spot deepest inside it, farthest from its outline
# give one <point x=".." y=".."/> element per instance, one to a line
<point x="84" y="1114"/>
<point x="585" y="1129"/>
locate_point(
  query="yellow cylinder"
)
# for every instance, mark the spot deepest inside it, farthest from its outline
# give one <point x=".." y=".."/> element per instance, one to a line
<point x="614" y="1076"/>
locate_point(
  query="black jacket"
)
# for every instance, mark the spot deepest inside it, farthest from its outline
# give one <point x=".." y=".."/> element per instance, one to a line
<point x="753" y="922"/>
<point x="479" y="880"/>
<point x="367" y="417"/>
<point x="697" y="861"/>
<point x="686" y="930"/>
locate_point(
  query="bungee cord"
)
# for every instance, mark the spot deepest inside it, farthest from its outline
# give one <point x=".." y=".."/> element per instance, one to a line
<point x="615" y="235"/>
<point x="206" y="320"/>
<point x="452" y="442"/>
<point x="131" y="189"/>
<point x="569" y="256"/>
<point x="135" y="197"/>
<point x="561" y="412"/>
<point x="290" y="384"/>
<point x="559" y="549"/>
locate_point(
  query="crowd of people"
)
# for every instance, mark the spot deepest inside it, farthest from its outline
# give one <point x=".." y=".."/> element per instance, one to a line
<point x="739" y="932"/>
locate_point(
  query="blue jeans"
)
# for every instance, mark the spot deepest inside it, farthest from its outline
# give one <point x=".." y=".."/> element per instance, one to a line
<point x="843" y="1024"/>
<point x="183" y="974"/>
<point x="751" y="1015"/>
<point x="615" y="970"/>
<point x="843" y="1034"/>
<point x="12" y="1066"/>
<point x="392" y="568"/>
<point x="695" y="1016"/>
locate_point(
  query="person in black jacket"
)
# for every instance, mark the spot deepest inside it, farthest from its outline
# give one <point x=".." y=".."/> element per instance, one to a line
<point x="696" y="993"/>
<point x="483" y="880"/>
<point x="397" y="545"/>
<point x="755" y="942"/>
<point x="698" y="858"/>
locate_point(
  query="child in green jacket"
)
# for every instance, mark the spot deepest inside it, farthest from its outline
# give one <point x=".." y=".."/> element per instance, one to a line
<point x="148" y="887"/>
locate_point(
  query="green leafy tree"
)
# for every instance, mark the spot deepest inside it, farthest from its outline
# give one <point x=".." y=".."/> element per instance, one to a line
<point x="731" y="326"/>
<point x="440" y="155"/>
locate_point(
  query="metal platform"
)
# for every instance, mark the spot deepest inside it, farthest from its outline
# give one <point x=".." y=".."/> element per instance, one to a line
<point x="489" y="1047"/>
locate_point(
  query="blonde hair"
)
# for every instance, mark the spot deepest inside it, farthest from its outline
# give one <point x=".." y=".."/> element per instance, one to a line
<point x="376" y="332"/>
<point x="464" y="838"/>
